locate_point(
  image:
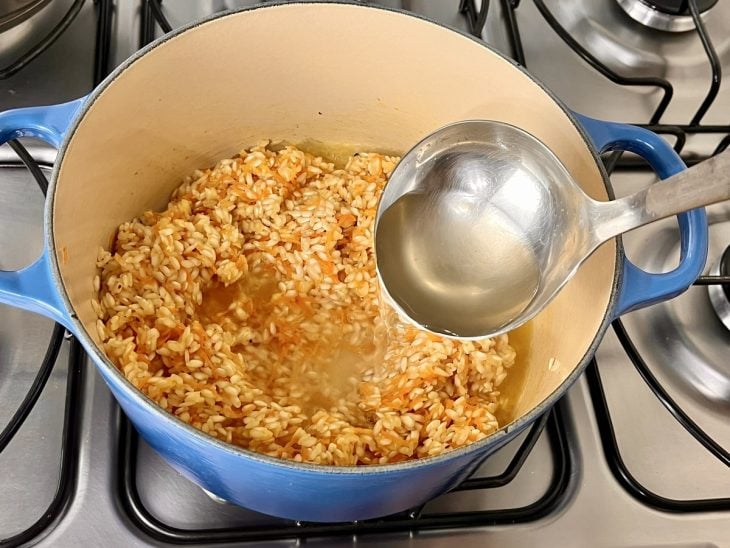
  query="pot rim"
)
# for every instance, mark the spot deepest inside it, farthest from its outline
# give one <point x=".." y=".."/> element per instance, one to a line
<point x="100" y="358"/>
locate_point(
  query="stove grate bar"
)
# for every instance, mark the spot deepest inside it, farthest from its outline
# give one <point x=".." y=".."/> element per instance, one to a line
<point x="412" y="521"/>
<point x="618" y="467"/>
<point x="45" y="43"/>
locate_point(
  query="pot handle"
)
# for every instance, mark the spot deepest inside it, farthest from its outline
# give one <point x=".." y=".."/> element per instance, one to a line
<point x="639" y="288"/>
<point x="32" y="288"/>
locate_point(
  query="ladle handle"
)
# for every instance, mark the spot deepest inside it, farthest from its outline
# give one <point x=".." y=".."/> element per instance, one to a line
<point x="706" y="183"/>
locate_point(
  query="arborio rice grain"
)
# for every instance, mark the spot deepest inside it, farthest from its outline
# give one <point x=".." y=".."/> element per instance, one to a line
<point x="249" y="308"/>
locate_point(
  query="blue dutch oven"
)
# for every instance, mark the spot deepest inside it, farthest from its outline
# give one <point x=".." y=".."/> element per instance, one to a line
<point x="335" y="73"/>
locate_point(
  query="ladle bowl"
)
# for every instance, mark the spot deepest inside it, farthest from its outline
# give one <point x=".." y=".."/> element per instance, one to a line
<point x="481" y="225"/>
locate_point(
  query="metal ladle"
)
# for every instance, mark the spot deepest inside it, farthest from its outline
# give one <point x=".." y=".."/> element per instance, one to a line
<point x="480" y="226"/>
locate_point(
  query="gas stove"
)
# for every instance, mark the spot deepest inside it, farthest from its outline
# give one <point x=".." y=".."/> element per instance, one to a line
<point x="634" y="455"/>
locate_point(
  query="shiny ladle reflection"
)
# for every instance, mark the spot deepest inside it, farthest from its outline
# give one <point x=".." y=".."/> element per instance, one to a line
<point x="481" y="225"/>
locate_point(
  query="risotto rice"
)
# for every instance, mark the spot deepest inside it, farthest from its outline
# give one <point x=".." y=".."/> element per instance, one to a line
<point x="249" y="308"/>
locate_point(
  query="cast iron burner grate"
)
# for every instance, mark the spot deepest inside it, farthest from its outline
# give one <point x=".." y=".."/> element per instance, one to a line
<point x="476" y="18"/>
<point x="69" y="457"/>
<point x="614" y="161"/>
<point x="44" y="43"/>
<point x="725" y="271"/>
<point x="551" y="425"/>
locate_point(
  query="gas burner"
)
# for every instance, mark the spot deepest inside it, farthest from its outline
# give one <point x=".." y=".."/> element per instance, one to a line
<point x="30" y="28"/>
<point x="631" y="49"/>
<point x="668" y="15"/>
<point x="720" y="294"/>
<point x="15" y="12"/>
<point x="682" y="338"/>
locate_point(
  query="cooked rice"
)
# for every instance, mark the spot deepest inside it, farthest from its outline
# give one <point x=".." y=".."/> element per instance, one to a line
<point x="250" y="309"/>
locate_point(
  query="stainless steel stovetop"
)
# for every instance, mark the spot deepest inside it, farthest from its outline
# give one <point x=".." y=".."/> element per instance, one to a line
<point x="609" y="467"/>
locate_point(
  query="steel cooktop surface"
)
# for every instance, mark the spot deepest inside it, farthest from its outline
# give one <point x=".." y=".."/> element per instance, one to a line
<point x="634" y="455"/>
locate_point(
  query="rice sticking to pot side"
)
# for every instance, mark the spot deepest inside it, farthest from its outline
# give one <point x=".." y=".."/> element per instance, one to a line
<point x="249" y="308"/>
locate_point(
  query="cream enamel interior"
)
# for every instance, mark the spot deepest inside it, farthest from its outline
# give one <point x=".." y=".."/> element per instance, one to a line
<point x="334" y="73"/>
